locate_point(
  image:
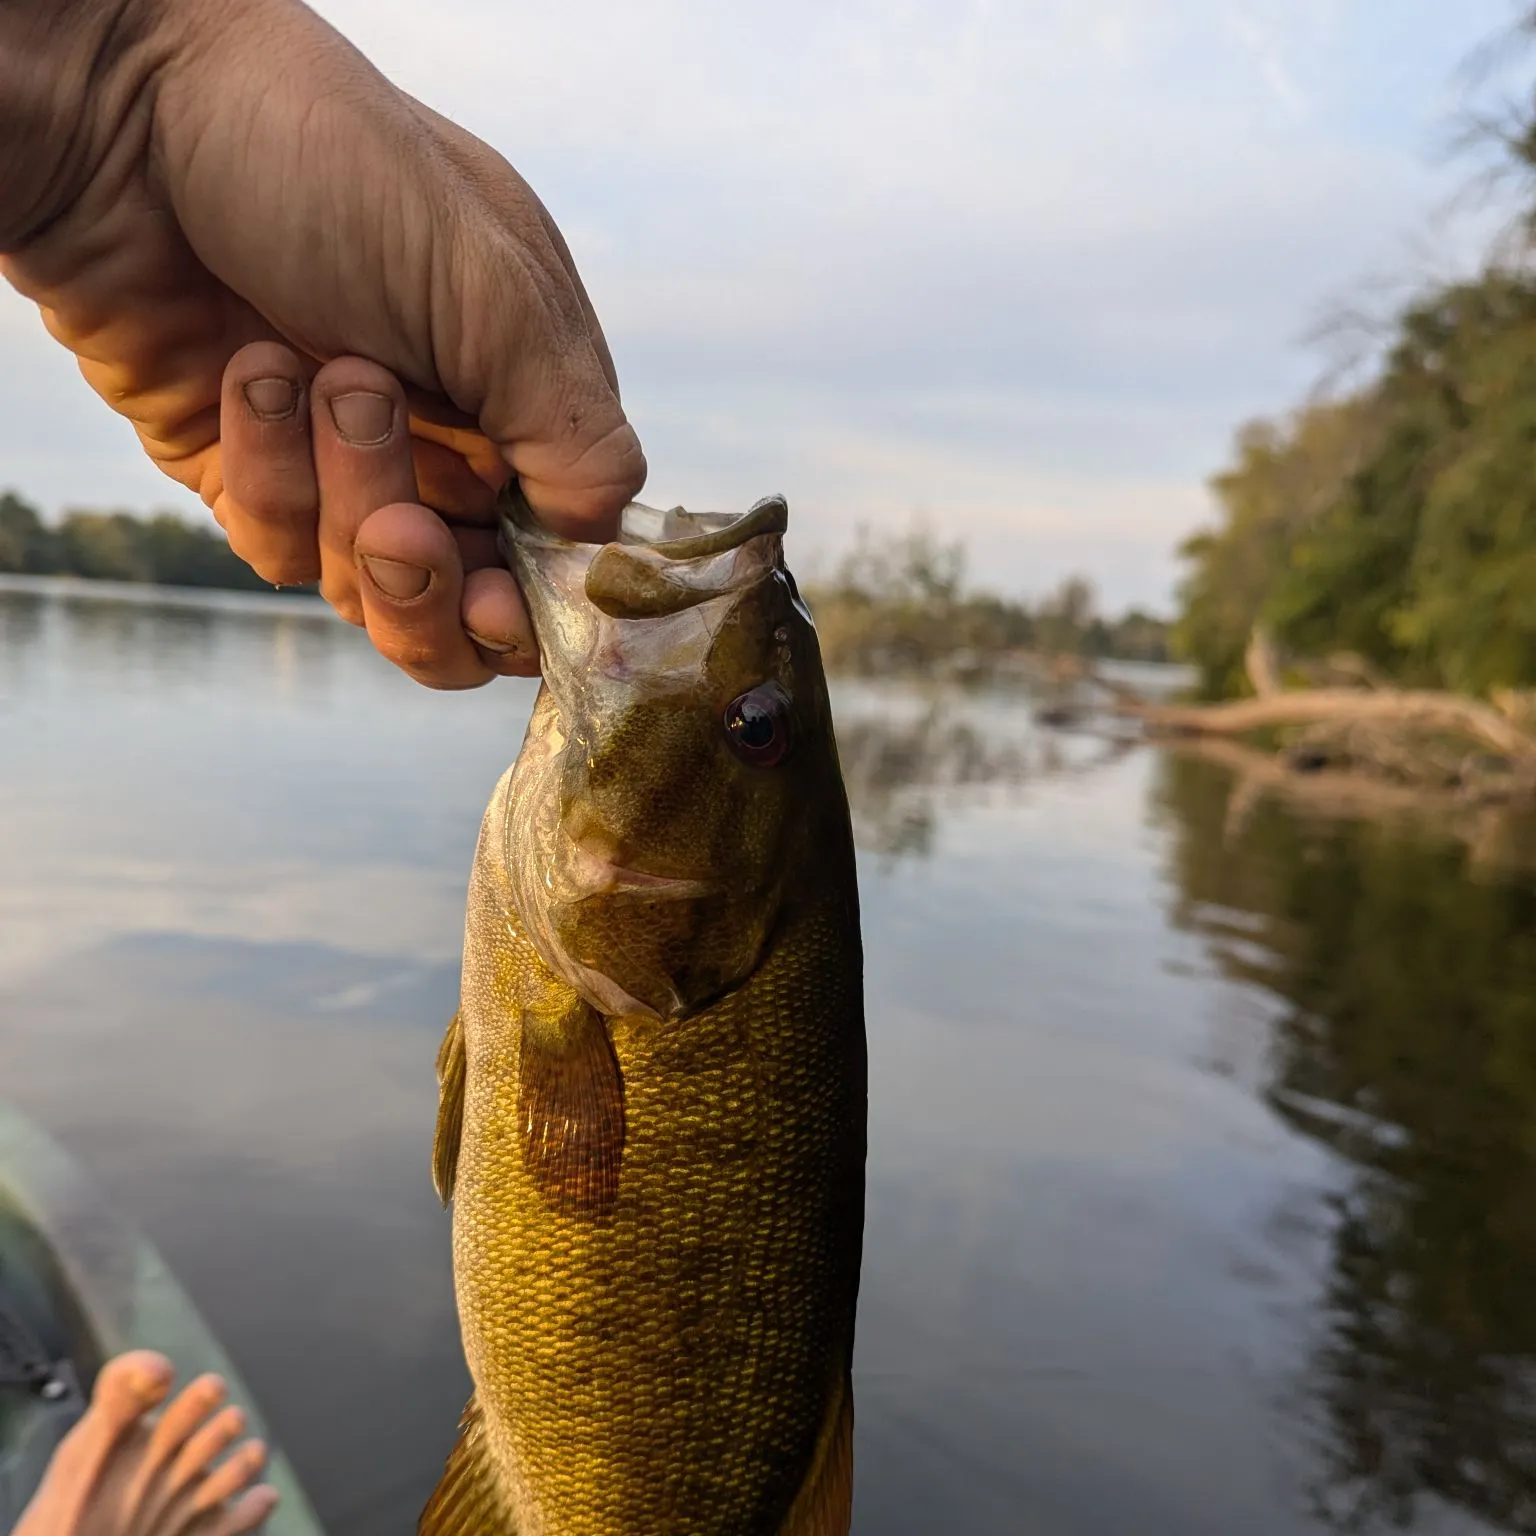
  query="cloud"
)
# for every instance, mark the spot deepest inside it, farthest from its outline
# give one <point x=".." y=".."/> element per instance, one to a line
<point x="1025" y="265"/>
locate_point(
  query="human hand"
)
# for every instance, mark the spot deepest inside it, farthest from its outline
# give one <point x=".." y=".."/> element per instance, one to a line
<point x="339" y="318"/>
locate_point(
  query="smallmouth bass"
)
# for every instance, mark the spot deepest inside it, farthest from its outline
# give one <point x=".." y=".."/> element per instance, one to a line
<point x="652" y="1114"/>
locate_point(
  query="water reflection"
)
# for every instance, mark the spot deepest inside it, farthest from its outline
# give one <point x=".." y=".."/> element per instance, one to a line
<point x="907" y="754"/>
<point x="1407" y="1045"/>
<point x="1106" y="1288"/>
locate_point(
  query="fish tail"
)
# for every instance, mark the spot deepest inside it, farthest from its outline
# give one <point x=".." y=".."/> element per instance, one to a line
<point x="824" y="1506"/>
<point x="468" y="1502"/>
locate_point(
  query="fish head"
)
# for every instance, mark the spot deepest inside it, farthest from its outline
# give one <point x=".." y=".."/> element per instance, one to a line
<point x="678" y="750"/>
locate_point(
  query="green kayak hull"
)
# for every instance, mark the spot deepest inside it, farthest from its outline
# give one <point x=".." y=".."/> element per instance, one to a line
<point x="82" y="1284"/>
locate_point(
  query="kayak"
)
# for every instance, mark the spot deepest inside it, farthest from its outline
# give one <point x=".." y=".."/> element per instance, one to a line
<point x="79" y="1284"/>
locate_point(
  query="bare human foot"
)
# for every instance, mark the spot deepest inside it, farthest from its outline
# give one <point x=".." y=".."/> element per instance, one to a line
<point x="120" y="1472"/>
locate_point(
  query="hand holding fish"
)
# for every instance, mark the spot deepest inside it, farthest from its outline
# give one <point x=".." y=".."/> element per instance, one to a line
<point x="339" y="318"/>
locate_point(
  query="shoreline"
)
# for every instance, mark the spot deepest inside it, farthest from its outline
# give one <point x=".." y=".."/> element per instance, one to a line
<point x="144" y="594"/>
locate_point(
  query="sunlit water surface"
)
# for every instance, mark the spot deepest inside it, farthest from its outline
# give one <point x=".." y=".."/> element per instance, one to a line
<point x="1202" y="1137"/>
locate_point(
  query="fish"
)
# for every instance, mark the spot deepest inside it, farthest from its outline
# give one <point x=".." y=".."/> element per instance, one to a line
<point x="653" y="1097"/>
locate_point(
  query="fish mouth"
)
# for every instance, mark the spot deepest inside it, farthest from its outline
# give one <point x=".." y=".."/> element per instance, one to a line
<point x="591" y="874"/>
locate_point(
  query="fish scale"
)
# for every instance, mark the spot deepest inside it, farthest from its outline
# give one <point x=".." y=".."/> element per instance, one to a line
<point x="671" y="1356"/>
<point x="608" y="1398"/>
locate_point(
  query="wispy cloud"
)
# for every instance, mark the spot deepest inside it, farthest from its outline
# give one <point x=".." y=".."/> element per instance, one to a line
<point x="1022" y="265"/>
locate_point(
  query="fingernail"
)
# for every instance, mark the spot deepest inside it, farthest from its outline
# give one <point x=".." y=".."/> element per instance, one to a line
<point x="363" y="417"/>
<point x="500" y="647"/>
<point x="272" y="399"/>
<point x="394" y="578"/>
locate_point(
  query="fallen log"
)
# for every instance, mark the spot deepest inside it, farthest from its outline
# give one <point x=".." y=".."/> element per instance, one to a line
<point x="1417" y="710"/>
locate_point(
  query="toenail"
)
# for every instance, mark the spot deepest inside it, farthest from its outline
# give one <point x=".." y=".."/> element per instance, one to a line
<point x="363" y="417"/>
<point x="272" y="399"/>
<point x="264" y="1499"/>
<point x="150" y="1379"/>
<point x="394" y="578"/>
<point x="499" y="647"/>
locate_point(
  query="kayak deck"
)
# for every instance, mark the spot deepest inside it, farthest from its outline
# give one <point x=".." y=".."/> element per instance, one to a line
<point x="79" y="1284"/>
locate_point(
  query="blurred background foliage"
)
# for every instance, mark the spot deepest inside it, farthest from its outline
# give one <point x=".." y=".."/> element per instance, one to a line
<point x="1397" y="521"/>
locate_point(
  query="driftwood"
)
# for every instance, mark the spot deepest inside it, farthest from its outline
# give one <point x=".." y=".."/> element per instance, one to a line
<point x="1262" y="663"/>
<point x="1415" y="710"/>
<point x="1371" y="743"/>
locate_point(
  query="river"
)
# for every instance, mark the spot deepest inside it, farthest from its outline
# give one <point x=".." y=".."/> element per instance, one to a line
<point x="1203" y="1127"/>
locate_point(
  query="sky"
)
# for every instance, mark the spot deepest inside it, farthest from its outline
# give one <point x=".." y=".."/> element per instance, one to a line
<point x="1016" y="269"/>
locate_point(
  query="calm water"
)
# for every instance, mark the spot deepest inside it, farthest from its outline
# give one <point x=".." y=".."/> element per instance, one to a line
<point x="1203" y="1138"/>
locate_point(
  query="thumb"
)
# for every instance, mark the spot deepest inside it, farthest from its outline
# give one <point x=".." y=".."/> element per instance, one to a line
<point x="519" y="337"/>
<point x="358" y="222"/>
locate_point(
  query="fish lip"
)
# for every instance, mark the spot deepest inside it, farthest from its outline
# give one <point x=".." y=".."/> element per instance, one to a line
<point x="593" y="875"/>
<point x="636" y="880"/>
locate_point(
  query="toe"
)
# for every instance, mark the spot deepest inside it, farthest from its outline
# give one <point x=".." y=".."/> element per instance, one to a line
<point x="178" y="1423"/>
<point x="207" y="1445"/>
<point x="127" y="1386"/>
<point x="180" y="1485"/>
<point x="246" y="1513"/>
<point x="131" y="1384"/>
<point x="242" y="1469"/>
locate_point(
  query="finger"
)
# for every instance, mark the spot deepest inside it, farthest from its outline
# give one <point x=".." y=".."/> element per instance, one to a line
<point x="266" y="498"/>
<point x="363" y="461"/>
<point x="449" y="484"/>
<point x="577" y="458"/>
<point x="411" y="583"/>
<point x="496" y="619"/>
<point x="594" y="328"/>
<point x="478" y="547"/>
<point x="517" y="337"/>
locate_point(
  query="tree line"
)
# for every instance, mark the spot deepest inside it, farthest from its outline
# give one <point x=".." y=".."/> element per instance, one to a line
<point x="1395" y="522"/>
<point x="895" y="604"/>
<point x="901" y="605"/>
<point x="116" y="546"/>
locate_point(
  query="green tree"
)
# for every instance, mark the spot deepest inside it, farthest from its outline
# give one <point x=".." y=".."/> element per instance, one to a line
<point x="1286" y="478"/>
<point x="26" y="542"/>
<point x="1426" y="561"/>
<point x="104" y="546"/>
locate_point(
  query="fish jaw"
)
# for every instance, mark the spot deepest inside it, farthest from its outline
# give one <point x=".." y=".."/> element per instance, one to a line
<point x="632" y="831"/>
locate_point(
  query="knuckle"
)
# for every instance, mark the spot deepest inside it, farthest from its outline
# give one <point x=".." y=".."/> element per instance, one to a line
<point x="434" y="666"/>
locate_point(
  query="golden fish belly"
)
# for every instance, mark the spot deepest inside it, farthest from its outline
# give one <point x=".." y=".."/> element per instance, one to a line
<point x="669" y="1366"/>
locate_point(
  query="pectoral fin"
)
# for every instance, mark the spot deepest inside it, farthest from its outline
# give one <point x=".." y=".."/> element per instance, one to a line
<point x="450" y="1110"/>
<point x="571" y="1103"/>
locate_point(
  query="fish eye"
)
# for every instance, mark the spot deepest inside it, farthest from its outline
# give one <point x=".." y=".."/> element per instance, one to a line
<point x="757" y="725"/>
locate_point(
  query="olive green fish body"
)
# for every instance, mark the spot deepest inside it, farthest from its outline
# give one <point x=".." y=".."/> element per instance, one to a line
<point x="658" y="1205"/>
